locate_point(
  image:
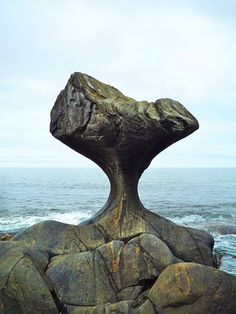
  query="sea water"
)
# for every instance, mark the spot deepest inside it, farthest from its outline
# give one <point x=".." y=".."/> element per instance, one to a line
<point x="200" y="198"/>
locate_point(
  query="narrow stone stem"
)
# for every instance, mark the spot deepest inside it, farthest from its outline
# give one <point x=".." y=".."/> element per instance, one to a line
<point x="124" y="190"/>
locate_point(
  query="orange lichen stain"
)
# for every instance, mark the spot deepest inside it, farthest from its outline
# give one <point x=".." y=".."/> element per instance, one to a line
<point x="115" y="264"/>
<point x="183" y="279"/>
<point x="115" y="258"/>
<point x="118" y="214"/>
<point x="119" y="210"/>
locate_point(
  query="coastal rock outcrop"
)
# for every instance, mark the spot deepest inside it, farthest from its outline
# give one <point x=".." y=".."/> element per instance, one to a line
<point x="122" y="136"/>
<point x="125" y="259"/>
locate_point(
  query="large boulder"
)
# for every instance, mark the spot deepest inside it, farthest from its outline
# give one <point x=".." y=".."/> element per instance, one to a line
<point x="24" y="289"/>
<point x="192" y="288"/>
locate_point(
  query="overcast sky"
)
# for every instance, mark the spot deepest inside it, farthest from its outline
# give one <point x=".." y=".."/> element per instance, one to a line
<point x="184" y="50"/>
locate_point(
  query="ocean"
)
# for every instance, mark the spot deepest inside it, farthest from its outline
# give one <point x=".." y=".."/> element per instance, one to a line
<point x="203" y="198"/>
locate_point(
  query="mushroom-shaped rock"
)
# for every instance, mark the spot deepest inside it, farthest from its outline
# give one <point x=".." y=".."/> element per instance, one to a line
<point x="126" y="259"/>
<point x="122" y="136"/>
<point x="118" y="133"/>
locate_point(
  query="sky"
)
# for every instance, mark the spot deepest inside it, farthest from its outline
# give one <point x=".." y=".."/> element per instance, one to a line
<point x="184" y="50"/>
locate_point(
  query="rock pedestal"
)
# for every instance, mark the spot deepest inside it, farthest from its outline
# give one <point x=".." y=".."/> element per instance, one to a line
<point x="125" y="259"/>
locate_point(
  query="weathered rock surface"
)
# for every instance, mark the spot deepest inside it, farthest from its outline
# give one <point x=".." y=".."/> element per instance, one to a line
<point x="192" y="288"/>
<point x="125" y="259"/>
<point x="183" y="288"/>
<point x="114" y="271"/>
<point x="119" y="134"/>
<point x="23" y="286"/>
<point x="58" y="238"/>
<point x="122" y="136"/>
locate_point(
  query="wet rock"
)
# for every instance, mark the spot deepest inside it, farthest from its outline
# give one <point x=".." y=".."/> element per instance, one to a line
<point x="222" y="228"/>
